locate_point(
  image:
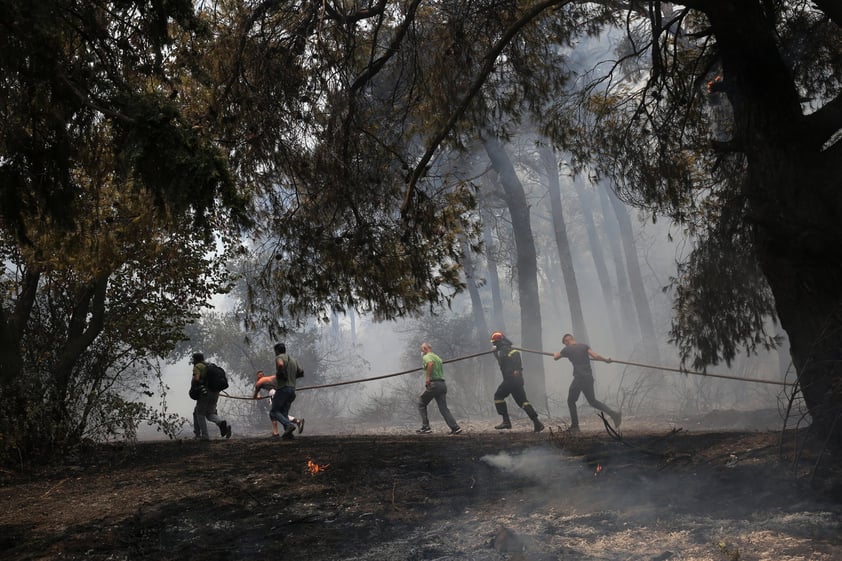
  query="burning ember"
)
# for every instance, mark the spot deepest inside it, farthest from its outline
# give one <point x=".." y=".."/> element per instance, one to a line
<point x="598" y="470"/>
<point x="716" y="85"/>
<point x="316" y="468"/>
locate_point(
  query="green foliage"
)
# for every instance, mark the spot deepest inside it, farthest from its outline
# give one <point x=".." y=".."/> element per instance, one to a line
<point x="116" y="217"/>
<point x="686" y="127"/>
<point x="71" y="67"/>
<point x="327" y="114"/>
<point x="723" y="303"/>
<point x="221" y="337"/>
<point x="83" y="341"/>
<point x="729" y="553"/>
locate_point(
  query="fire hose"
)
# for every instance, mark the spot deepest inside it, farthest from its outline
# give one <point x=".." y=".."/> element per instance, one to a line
<point x="628" y="363"/>
<point x="679" y="370"/>
<point x="384" y="376"/>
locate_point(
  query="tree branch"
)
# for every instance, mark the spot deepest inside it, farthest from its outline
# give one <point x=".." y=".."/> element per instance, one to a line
<point x="827" y="121"/>
<point x="85" y="325"/>
<point x="376" y="65"/>
<point x="479" y="81"/>
<point x="357" y="15"/>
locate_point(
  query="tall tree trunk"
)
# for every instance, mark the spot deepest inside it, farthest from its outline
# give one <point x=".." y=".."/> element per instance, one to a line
<point x="487" y="375"/>
<point x="793" y="190"/>
<point x="352" y="316"/>
<point x="807" y="284"/>
<point x="477" y="310"/>
<point x="587" y="206"/>
<point x="527" y="263"/>
<point x="628" y="318"/>
<point x="641" y="302"/>
<point x="13" y="325"/>
<point x="565" y="257"/>
<point x="497" y="315"/>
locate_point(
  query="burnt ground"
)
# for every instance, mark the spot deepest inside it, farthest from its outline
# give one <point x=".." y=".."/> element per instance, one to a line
<point x="656" y="494"/>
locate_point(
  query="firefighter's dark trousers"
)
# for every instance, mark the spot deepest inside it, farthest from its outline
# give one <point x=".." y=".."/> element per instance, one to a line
<point x="512" y="385"/>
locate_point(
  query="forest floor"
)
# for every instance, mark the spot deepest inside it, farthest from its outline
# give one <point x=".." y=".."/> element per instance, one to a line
<point x="656" y="493"/>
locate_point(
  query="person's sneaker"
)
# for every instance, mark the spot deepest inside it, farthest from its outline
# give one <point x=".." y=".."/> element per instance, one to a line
<point x="223" y="428"/>
<point x="276" y="436"/>
<point x="539" y="426"/>
<point x="424" y="430"/>
<point x="227" y="430"/>
<point x="503" y="425"/>
<point x="300" y="423"/>
<point x="456" y="431"/>
<point x="287" y="436"/>
<point x="617" y="418"/>
<point x="289" y="429"/>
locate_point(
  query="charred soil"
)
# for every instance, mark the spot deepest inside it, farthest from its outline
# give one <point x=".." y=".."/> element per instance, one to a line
<point x="481" y="495"/>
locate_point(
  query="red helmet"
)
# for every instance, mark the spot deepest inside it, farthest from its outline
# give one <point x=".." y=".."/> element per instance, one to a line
<point x="497" y="336"/>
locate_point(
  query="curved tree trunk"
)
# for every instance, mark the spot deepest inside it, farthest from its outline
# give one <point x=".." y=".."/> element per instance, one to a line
<point x="794" y="191"/>
<point x="13" y="323"/>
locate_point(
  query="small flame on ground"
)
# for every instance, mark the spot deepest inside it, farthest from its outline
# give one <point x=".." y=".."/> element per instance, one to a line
<point x="598" y="470"/>
<point x="316" y="468"/>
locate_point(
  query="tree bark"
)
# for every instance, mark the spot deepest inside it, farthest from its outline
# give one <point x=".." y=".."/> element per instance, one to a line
<point x="13" y="325"/>
<point x="497" y="315"/>
<point x="85" y="325"/>
<point x="477" y="309"/>
<point x="794" y="191"/>
<point x="638" y="290"/>
<point x="565" y="257"/>
<point x="628" y="320"/>
<point x="527" y="263"/>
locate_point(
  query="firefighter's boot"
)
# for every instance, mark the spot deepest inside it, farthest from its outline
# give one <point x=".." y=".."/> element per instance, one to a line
<point x="504" y="411"/>
<point x="538" y="425"/>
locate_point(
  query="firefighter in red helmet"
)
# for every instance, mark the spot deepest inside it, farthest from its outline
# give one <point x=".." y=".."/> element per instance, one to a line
<point x="511" y="366"/>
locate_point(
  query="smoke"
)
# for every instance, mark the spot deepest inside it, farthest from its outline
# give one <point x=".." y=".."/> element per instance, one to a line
<point x="540" y="465"/>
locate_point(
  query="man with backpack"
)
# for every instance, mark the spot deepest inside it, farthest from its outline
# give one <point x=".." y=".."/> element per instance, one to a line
<point x="206" y="400"/>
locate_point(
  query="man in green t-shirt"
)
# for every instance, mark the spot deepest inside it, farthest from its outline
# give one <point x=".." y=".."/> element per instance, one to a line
<point x="435" y="388"/>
